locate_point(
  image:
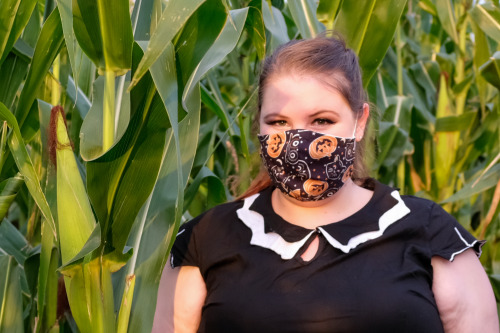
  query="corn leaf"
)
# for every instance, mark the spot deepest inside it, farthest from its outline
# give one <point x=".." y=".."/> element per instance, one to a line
<point x="13" y="243"/>
<point x="474" y="187"/>
<point x="120" y="181"/>
<point x="487" y="17"/>
<point x="141" y="19"/>
<point x="275" y="24"/>
<point x="49" y="255"/>
<point x="197" y="37"/>
<point x="8" y="191"/>
<point x="481" y="55"/>
<point x="23" y="161"/>
<point x="327" y="11"/>
<point x="166" y="203"/>
<point x="104" y="32"/>
<point x="490" y="70"/>
<point x="91" y="131"/>
<point x="224" y="44"/>
<point x="444" y="9"/>
<point x="48" y="46"/>
<point x="173" y="18"/>
<point x="12" y="72"/>
<point x="76" y="220"/>
<point x="304" y="15"/>
<point x="14" y="16"/>
<point x="257" y="31"/>
<point x="368" y="28"/>
<point x="65" y="10"/>
<point x="11" y="311"/>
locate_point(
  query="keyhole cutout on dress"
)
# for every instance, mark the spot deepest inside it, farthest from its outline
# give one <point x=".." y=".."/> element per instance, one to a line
<point x="311" y="250"/>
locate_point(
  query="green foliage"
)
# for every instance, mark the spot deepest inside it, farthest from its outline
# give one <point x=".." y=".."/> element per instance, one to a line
<point x="159" y="104"/>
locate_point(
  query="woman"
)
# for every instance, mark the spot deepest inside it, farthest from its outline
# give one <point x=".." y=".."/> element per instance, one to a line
<point x="313" y="246"/>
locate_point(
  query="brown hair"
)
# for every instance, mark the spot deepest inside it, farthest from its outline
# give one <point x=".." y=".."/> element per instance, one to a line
<point x="328" y="59"/>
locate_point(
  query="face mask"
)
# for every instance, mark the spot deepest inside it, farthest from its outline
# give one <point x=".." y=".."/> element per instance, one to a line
<point x="307" y="165"/>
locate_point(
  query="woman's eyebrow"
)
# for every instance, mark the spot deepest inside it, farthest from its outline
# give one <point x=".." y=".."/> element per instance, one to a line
<point x="321" y="112"/>
<point x="273" y="115"/>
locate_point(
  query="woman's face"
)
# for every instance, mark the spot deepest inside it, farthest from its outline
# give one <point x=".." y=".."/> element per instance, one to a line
<point x="303" y="102"/>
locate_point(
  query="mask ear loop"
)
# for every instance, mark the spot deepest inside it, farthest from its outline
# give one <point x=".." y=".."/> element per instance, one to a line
<point x="354" y="132"/>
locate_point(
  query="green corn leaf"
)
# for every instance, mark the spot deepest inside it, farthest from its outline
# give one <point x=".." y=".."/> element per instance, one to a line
<point x="368" y="27"/>
<point x="126" y="305"/>
<point x="224" y="44"/>
<point x="11" y="311"/>
<point x="255" y="27"/>
<point x="66" y="11"/>
<point x="198" y="35"/>
<point x="47" y="280"/>
<point x="8" y="191"/>
<point x="47" y="48"/>
<point x="275" y="24"/>
<point x="13" y="243"/>
<point x="304" y="14"/>
<point x="326" y="12"/>
<point x="487" y="17"/>
<point x="216" y="192"/>
<point x="142" y="18"/>
<point x="12" y="72"/>
<point x="446" y="15"/>
<point x="76" y="220"/>
<point x="164" y="216"/>
<point x="173" y="18"/>
<point x="49" y="255"/>
<point x="104" y="32"/>
<point x="481" y="55"/>
<point x="121" y="180"/>
<point x="446" y="143"/>
<point x="490" y="70"/>
<point x="455" y="123"/>
<point x="91" y="131"/>
<point x="23" y="161"/>
<point x="78" y="98"/>
<point x="428" y="6"/>
<point x="14" y="16"/>
<point x="474" y="187"/>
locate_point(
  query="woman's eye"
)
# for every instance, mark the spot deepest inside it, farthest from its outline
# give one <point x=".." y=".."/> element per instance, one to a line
<point x="278" y="123"/>
<point x="323" y="121"/>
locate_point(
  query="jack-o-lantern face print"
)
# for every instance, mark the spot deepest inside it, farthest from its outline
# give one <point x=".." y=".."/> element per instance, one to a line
<point x="323" y="146"/>
<point x="348" y="173"/>
<point x="315" y="187"/>
<point x="275" y="144"/>
<point x="295" y="194"/>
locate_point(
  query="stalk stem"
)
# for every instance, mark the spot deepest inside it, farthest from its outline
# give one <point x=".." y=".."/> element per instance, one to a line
<point x="108" y="121"/>
<point x="5" y="289"/>
<point x="399" y="60"/>
<point x="56" y="90"/>
<point x="3" y="143"/>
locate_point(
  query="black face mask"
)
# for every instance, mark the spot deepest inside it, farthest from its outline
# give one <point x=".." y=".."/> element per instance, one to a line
<point x="307" y="165"/>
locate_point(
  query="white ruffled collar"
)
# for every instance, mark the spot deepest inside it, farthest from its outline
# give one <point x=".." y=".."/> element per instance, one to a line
<point x="272" y="240"/>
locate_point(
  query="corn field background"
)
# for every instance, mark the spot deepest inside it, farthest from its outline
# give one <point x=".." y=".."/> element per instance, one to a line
<point x="119" y="120"/>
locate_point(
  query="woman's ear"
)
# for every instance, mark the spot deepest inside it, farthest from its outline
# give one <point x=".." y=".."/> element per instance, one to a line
<point x="362" y="120"/>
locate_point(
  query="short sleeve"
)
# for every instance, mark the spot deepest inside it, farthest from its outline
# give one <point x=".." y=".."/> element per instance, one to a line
<point x="184" y="251"/>
<point x="447" y="237"/>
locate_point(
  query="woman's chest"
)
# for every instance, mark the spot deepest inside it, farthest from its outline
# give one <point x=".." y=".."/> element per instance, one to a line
<point x="381" y="286"/>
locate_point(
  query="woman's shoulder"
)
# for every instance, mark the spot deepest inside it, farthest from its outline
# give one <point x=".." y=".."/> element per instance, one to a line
<point x="216" y="215"/>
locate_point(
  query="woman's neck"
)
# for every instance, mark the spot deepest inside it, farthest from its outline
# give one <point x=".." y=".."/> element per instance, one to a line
<point x="311" y="214"/>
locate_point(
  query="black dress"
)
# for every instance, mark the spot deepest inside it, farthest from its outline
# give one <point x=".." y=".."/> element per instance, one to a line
<point x="371" y="273"/>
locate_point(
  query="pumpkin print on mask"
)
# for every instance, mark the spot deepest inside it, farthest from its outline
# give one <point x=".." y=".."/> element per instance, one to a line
<point x="323" y="146"/>
<point x="275" y="144"/>
<point x="295" y="194"/>
<point x="307" y="165"/>
<point x="348" y="173"/>
<point x="315" y="187"/>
